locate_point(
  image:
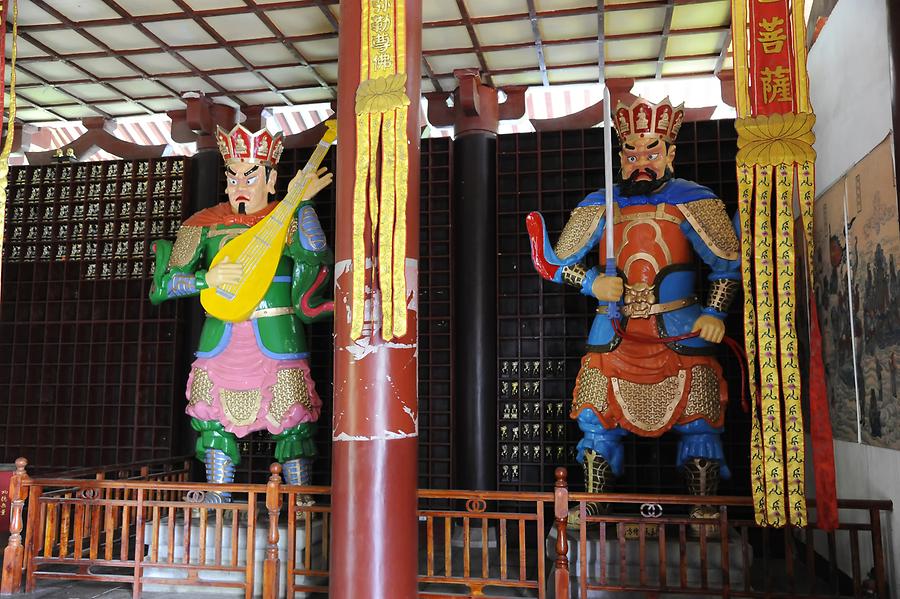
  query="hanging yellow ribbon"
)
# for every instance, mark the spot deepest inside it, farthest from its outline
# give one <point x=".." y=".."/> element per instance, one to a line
<point x="380" y="185"/>
<point x="11" y="124"/>
<point x="788" y="346"/>
<point x="745" y="211"/>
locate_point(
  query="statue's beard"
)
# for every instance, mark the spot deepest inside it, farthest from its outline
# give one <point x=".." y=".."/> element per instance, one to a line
<point x="242" y="208"/>
<point x="633" y="187"/>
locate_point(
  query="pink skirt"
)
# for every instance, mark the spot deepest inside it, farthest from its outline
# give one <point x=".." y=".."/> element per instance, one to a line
<point x="246" y="391"/>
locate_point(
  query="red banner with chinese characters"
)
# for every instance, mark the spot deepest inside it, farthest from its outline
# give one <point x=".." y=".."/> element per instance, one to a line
<point x="773" y="69"/>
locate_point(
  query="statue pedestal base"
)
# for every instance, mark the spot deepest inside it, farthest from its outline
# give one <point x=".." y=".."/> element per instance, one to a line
<point x="612" y="559"/>
<point x="157" y="570"/>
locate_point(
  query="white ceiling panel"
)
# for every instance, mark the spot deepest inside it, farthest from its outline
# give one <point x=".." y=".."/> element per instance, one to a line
<point x="265" y="54"/>
<point x="180" y="33"/>
<point x="219" y="58"/>
<point x="64" y="41"/>
<point x="239" y="27"/>
<point x="82" y="10"/>
<point x="122" y="37"/>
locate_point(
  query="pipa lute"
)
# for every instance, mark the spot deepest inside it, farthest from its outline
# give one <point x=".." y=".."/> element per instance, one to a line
<point x="259" y="248"/>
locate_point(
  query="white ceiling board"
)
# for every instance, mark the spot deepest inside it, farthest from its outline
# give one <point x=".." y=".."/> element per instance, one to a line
<point x="300" y="21"/>
<point x="439" y="11"/>
<point x="122" y="37"/>
<point x="239" y="27"/>
<point x="104" y="67"/>
<point x="92" y="92"/>
<point x="157" y="63"/>
<point x="180" y="33"/>
<point x="64" y="42"/>
<point x="318" y="49"/>
<point x="188" y="84"/>
<point x="442" y="38"/>
<point x="154" y="7"/>
<point x="218" y="58"/>
<point x="264" y="54"/>
<point x="82" y="10"/>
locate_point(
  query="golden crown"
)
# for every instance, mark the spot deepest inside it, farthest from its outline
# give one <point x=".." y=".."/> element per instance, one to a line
<point x="242" y="145"/>
<point x="646" y="118"/>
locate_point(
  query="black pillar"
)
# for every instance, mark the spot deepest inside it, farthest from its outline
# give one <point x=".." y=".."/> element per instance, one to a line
<point x="474" y="264"/>
<point x="202" y="190"/>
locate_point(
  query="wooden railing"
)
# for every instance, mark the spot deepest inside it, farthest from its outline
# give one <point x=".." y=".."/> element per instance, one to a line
<point x="172" y="469"/>
<point x="161" y="535"/>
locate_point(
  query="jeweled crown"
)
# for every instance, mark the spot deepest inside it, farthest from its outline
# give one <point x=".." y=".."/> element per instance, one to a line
<point x="646" y="118"/>
<point x="242" y="145"/>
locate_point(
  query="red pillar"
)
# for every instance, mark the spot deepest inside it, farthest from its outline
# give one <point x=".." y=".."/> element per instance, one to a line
<point x="375" y="428"/>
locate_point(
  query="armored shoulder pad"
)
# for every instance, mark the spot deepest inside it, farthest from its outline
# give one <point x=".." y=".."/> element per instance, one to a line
<point x="187" y="244"/>
<point x="711" y="223"/>
<point x="308" y="230"/>
<point x="583" y="221"/>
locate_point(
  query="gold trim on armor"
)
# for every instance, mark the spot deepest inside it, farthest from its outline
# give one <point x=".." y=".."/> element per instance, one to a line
<point x="201" y="387"/>
<point x="711" y="223"/>
<point x="187" y="240"/>
<point x="574" y="274"/>
<point x="649" y="406"/>
<point x="241" y="407"/>
<point x="659" y="215"/>
<point x="628" y="310"/>
<point x="292" y="230"/>
<point x="703" y="397"/>
<point x="659" y="240"/>
<point x="289" y="389"/>
<point x="721" y="293"/>
<point x="268" y="312"/>
<point x="582" y="223"/>
<point x="593" y="389"/>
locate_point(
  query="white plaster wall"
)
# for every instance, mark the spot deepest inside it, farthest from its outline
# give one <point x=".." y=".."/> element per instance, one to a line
<point x="850" y="89"/>
<point x="850" y="86"/>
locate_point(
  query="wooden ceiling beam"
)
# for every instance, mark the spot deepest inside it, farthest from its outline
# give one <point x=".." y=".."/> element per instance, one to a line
<point x="724" y="53"/>
<point x="429" y="72"/>
<point x="94" y="40"/>
<point x="279" y="35"/>
<point x="476" y="45"/>
<point x="210" y="30"/>
<point x="90" y="76"/>
<point x="325" y="11"/>
<point x="179" y="16"/>
<point x="47" y="83"/>
<point x="664" y="42"/>
<point x="562" y="12"/>
<point x="573" y="41"/>
<point x="538" y="43"/>
<point x="167" y="48"/>
<point x="609" y="63"/>
<point x="189" y="48"/>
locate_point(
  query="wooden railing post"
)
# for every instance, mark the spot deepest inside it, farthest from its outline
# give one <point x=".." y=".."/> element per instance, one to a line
<point x="273" y="505"/>
<point x="561" y="514"/>
<point x="14" y="553"/>
<point x="878" y="552"/>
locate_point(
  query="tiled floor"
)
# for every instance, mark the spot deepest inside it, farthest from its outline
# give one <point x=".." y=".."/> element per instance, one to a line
<point x="87" y="590"/>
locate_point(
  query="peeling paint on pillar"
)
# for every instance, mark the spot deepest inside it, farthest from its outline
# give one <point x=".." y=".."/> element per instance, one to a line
<point x="375" y="423"/>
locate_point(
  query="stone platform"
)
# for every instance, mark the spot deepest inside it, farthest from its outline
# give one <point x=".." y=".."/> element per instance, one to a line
<point x="215" y="575"/>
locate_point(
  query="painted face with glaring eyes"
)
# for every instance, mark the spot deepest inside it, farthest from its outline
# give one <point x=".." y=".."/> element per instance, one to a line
<point x="644" y="154"/>
<point x="248" y="186"/>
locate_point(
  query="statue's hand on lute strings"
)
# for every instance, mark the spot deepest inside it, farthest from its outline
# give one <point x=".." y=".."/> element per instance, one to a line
<point x="317" y="182"/>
